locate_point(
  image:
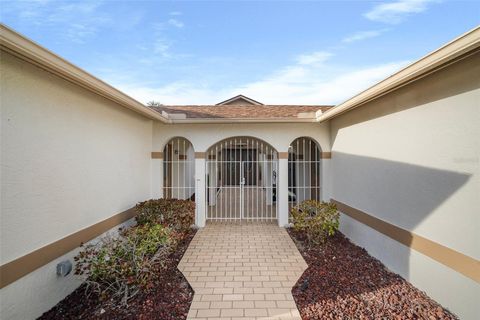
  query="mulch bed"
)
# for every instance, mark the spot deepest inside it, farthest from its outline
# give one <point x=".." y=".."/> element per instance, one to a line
<point x="344" y="282"/>
<point x="170" y="298"/>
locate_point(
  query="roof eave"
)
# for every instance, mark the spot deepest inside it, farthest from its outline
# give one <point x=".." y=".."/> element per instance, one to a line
<point x="244" y="120"/>
<point x="29" y="51"/>
<point x="455" y="50"/>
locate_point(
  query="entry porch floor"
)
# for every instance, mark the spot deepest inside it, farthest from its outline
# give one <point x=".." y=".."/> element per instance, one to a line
<point x="243" y="270"/>
<point x="235" y="203"/>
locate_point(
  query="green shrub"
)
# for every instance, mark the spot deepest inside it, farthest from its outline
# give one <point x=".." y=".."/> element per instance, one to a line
<point x="121" y="266"/>
<point x="149" y="238"/>
<point x="318" y="220"/>
<point x="176" y="214"/>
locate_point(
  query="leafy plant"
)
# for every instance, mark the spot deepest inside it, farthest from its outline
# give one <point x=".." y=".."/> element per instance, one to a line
<point x="149" y="238"/>
<point x="318" y="220"/>
<point x="174" y="213"/>
<point x="122" y="266"/>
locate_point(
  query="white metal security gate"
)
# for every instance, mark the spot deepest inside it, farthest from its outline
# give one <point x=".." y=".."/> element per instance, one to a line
<point x="304" y="166"/>
<point x="241" y="180"/>
<point x="179" y="169"/>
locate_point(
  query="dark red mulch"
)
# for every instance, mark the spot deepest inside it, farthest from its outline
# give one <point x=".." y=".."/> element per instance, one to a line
<point x="170" y="298"/>
<point x="344" y="282"/>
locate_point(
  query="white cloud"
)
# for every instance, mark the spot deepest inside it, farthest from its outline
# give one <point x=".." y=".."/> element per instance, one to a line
<point x="396" y="12"/>
<point x="174" y="93"/>
<point x="175" y="13"/>
<point x="161" y="44"/>
<point x="79" y="32"/>
<point x="362" y="35"/>
<point x="314" y="58"/>
<point x="176" y="23"/>
<point x="317" y="85"/>
<point x="75" y="21"/>
<point x="161" y="47"/>
<point x="298" y="83"/>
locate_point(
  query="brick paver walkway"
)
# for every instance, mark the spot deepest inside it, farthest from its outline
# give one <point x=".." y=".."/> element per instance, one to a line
<point x="242" y="271"/>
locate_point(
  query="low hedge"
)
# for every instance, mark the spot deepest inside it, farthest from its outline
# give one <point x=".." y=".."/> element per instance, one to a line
<point x="176" y="214"/>
<point x="318" y="220"/>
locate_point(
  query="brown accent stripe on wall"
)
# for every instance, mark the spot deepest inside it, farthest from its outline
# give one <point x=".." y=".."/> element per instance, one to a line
<point x="16" y="269"/>
<point x="200" y="155"/>
<point x="459" y="262"/>
<point x="157" y="155"/>
<point x="326" y="155"/>
<point x="283" y="155"/>
<point x="323" y="155"/>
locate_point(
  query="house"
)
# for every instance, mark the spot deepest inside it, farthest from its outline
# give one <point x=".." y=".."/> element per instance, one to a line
<point x="400" y="159"/>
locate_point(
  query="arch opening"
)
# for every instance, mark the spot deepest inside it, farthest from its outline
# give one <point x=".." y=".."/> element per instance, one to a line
<point x="304" y="171"/>
<point x="179" y="169"/>
<point x="241" y="180"/>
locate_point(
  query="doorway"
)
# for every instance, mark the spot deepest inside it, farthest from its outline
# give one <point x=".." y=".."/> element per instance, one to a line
<point x="241" y="180"/>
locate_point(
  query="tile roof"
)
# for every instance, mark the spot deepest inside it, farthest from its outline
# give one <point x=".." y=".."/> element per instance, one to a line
<point x="242" y="111"/>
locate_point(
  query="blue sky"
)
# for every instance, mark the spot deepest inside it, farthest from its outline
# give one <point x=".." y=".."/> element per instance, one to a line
<point x="203" y="52"/>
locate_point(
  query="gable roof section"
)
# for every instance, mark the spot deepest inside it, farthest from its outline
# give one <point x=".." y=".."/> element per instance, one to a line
<point x="240" y="100"/>
<point x="242" y="113"/>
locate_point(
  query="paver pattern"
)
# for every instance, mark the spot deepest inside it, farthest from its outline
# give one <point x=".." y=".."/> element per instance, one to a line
<point x="242" y="270"/>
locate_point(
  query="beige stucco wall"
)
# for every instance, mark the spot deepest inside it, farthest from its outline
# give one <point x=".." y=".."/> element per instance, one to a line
<point x="411" y="158"/>
<point x="279" y="135"/>
<point x="69" y="159"/>
<point x="41" y="289"/>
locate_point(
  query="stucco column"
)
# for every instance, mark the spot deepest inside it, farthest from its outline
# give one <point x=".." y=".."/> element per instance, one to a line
<point x="200" y="189"/>
<point x="326" y="187"/>
<point x="282" y="189"/>
<point x="156" y="183"/>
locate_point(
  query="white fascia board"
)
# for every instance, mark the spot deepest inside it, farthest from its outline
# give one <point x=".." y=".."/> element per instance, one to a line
<point x="27" y="50"/>
<point x="434" y="61"/>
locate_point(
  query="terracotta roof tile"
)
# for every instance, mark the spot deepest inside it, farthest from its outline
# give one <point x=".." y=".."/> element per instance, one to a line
<point x="240" y="111"/>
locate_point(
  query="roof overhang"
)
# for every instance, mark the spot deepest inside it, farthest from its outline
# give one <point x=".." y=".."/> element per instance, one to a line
<point x="459" y="48"/>
<point x="244" y="120"/>
<point x="217" y="114"/>
<point x="29" y="51"/>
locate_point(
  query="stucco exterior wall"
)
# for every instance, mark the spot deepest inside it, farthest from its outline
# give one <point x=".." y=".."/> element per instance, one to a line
<point x="70" y="159"/>
<point x="411" y="158"/>
<point x="279" y="135"/>
<point x="40" y="290"/>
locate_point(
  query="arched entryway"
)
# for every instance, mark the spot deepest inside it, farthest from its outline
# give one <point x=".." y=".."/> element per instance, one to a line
<point x="241" y="180"/>
<point x="179" y="169"/>
<point x="304" y="171"/>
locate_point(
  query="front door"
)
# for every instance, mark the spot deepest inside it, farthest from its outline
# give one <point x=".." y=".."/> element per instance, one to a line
<point x="240" y="165"/>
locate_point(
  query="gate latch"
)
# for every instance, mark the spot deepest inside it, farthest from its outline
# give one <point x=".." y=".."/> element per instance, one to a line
<point x="242" y="182"/>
